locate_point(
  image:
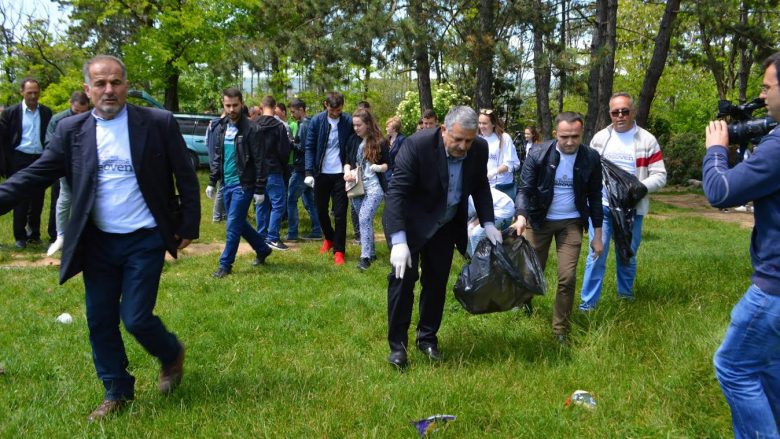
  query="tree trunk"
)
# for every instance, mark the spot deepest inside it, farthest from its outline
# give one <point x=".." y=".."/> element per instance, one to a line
<point x="421" y="61"/>
<point x="541" y="73"/>
<point x="657" y="63"/>
<point x="485" y="47"/>
<point x="172" y="88"/>
<point x="602" y="67"/>
<point x="562" y="48"/>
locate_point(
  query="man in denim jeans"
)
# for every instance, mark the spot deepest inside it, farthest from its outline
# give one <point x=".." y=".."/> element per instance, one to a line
<point x="237" y="163"/>
<point x="747" y="363"/>
<point x="296" y="189"/>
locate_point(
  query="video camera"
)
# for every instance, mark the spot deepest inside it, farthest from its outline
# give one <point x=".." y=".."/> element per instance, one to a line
<point x="744" y="129"/>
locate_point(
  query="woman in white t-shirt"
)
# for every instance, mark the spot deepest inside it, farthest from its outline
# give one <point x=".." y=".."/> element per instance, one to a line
<point x="502" y="157"/>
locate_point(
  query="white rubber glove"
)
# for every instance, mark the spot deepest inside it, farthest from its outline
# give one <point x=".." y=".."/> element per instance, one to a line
<point x="210" y="192"/>
<point x="400" y="258"/>
<point x="309" y="181"/>
<point x="56" y="245"/>
<point x="493" y="234"/>
<point x="376" y="168"/>
<point x="259" y="199"/>
<point x="492" y="174"/>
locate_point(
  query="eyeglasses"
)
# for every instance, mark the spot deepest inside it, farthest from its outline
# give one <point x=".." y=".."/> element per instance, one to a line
<point x="765" y="88"/>
<point x="485" y="111"/>
<point x="620" y="112"/>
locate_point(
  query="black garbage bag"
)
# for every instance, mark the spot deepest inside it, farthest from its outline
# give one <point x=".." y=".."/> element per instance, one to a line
<point x="624" y="191"/>
<point x="499" y="278"/>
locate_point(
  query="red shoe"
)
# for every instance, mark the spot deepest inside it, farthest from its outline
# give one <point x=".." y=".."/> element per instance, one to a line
<point x="338" y="258"/>
<point x="326" y="246"/>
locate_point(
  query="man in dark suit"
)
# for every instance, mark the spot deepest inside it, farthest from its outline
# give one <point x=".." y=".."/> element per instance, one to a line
<point x="425" y="219"/>
<point x="125" y="166"/>
<point x="22" y="137"/>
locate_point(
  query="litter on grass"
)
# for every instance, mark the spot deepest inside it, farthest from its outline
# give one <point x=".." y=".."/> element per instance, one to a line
<point x="583" y="398"/>
<point x="432" y="424"/>
<point x="65" y="318"/>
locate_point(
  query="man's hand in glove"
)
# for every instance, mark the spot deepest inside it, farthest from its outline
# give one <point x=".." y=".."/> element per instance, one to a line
<point x="400" y="258"/>
<point x="492" y="173"/>
<point x="309" y="181"/>
<point x="210" y="192"/>
<point x="259" y="198"/>
<point x="493" y="234"/>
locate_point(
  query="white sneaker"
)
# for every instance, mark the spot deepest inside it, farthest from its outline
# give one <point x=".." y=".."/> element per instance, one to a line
<point x="741" y="209"/>
<point x="55" y="246"/>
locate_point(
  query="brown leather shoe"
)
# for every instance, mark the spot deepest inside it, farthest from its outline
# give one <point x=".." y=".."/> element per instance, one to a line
<point x="170" y="376"/>
<point x="106" y="408"/>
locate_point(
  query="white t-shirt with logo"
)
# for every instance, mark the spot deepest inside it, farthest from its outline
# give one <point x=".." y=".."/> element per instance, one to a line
<point x="562" y="206"/>
<point x="331" y="163"/>
<point x="119" y="205"/>
<point x="620" y="151"/>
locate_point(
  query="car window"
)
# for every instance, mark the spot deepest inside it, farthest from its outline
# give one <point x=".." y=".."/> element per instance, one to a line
<point x="186" y="125"/>
<point x="201" y="127"/>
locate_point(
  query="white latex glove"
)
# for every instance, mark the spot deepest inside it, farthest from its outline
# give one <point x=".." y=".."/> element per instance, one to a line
<point x="493" y="234"/>
<point x="400" y="258"/>
<point x="309" y="181"/>
<point x="492" y="174"/>
<point x="259" y="199"/>
<point x="376" y="168"/>
<point x="56" y="245"/>
<point x="210" y="192"/>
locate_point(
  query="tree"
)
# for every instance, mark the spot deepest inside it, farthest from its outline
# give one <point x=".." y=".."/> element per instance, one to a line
<point x="602" y="66"/>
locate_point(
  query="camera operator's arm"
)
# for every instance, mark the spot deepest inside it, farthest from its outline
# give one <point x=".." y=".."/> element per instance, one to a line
<point x="749" y="180"/>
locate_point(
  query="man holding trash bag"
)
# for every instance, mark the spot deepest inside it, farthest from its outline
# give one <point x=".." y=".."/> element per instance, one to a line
<point x="747" y="363"/>
<point x="560" y="191"/>
<point x="425" y="218"/>
<point x="637" y="152"/>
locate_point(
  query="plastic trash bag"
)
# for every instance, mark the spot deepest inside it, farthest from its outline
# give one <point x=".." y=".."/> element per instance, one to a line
<point x="624" y="191"/>
<point x="499" y="278"/>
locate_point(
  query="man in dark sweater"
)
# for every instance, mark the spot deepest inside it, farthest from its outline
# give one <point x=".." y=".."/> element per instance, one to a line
<point x="747" y="364"/>
<point x="277" y="149"/>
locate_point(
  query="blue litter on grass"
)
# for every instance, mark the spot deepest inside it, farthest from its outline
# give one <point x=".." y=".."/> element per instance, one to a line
<point x="432" y="424"/>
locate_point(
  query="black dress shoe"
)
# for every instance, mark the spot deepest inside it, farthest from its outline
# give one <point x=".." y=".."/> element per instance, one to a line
<point x="260" y="258"/>
<point x="219" y="274"/>
<point x="364" y="264"/>
<point x="21" y="244"/>
<point x="398" y="359"/>
<point x="34" y="241"/>
<point x="430" y="350"/>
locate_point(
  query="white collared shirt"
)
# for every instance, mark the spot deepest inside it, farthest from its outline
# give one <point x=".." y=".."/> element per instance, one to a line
<point x="119" y="204"/>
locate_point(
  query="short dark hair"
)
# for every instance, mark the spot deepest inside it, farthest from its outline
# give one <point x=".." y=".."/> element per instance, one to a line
<point x="26" y="80"/>
<point x="79" y="97"/>
<point x="233" y="92"/>
<point x="429" y="113"/>
<point x="298" y="103"/>
<point x="773" y="59"/>
<point x="334" y="99"/>
<point x="98" y="58"/>
<point x="569" y="117"/>
<point x="282" y="107"/>
<point x="364" y="105"/>
<point x="268" y="102"/>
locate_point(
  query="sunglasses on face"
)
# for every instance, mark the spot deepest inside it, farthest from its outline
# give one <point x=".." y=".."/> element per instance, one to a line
<point x="485" y="111"/>
<point x="620" y="112"/>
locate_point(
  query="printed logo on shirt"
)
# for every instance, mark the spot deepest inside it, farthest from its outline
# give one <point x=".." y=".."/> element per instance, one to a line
<point x="618" y="157"/>
<point x="115" y="165"/>
<point x="564" y="182"/>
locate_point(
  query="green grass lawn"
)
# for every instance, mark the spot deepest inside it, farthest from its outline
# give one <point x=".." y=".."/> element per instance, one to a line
<point x="297" y="348"/>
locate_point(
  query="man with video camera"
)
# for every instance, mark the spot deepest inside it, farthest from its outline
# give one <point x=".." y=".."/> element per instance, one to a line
<point x="747" y="364"/>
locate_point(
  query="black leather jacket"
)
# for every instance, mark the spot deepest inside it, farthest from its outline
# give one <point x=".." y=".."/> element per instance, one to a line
<point x="250" y="155"/>
<point x="535" y="194"/>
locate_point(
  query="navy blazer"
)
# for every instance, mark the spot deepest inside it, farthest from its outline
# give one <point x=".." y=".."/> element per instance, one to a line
<point x="416" y="196"/>
<point x="11" y="133"/>
<point x="165" y="177"/>
<point x="316" y="141"/>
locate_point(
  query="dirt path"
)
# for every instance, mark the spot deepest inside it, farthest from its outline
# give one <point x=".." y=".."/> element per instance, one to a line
<point x="699" y="206"/>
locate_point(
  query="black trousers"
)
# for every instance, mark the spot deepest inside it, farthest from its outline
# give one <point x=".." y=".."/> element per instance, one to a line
<point x="55" y="195"/>
<point x="329" y="187"/>
<point x="28" y="211"/>
<point x="434" y="260"/>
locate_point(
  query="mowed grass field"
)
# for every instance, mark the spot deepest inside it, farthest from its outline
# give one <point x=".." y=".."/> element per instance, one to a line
<point x="297" y="349"/>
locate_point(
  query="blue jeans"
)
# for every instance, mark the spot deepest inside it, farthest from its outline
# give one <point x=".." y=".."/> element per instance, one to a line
<point x="593" y="279"/>
<point x="297" y="189"/>
<point x="236" y="206"/>
<point x="269" y="214"/>
<point x="366" y="206"/>
<point x="747" y="365"/>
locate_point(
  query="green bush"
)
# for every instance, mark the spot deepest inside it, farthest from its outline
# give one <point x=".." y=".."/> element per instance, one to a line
<point x="683" y="157"/>
<point x="444" y="97"/>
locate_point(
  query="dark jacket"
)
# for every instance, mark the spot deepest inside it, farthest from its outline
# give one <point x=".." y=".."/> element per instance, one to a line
<point x="384" y="157"/>
<point x="299" y="155"/>
<point x="51" y="128"/>
<point x="535" y="194"/>
<point x="394" y="148"/>
<point x="11" y="133"/>
<point x="316" y="141"/>
<point x="276" y="143"/>
<point x="250" y="155"/>
<point x="165" y="177"/>
<point x="416" y="198"/>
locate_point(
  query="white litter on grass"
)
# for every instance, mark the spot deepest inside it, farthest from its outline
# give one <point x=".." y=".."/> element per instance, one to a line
<point x="65" y="318"/>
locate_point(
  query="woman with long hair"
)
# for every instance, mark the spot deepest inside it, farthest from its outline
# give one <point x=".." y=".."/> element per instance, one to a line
<point x="502" y="157"/>
<point x="370" y="157"/>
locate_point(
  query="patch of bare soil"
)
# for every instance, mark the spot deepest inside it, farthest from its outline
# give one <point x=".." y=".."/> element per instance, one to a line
<point x="700" y="207"/>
